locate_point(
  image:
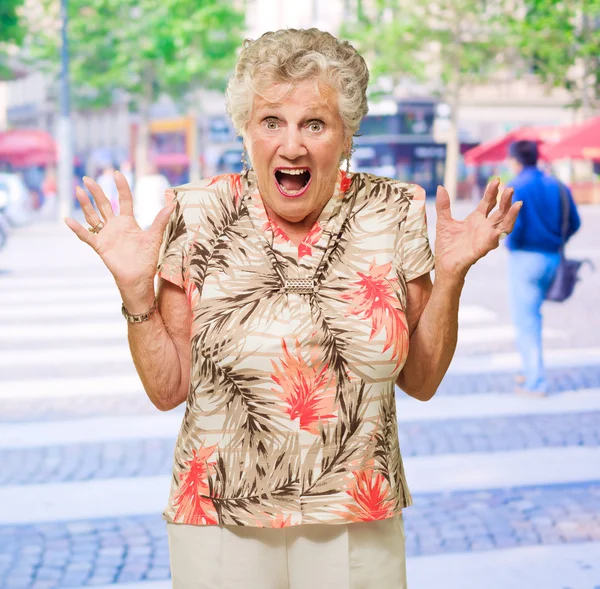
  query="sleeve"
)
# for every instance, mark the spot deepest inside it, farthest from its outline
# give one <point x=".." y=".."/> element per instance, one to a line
<point x="414" y="251"/>
<point x="173" y="262"/>
<point x="574" y="219"/>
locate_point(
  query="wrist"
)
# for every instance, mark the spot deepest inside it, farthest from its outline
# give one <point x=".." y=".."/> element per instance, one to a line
<point x="453" y="281"/>
<point x="137" y="299"/>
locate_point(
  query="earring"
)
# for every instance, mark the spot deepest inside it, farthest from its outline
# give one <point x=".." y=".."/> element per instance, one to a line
<point x="349" y="157"/>
<point x="244" y="162"/>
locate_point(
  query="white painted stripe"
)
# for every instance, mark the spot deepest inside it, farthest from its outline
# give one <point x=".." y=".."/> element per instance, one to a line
<point x="85" y="309"/>
<point x="37" y="296"/>
<point x="55" y="356"/>
<point x="497" y="334"/>
<point x="471" y="314"/>
<point x="87" y="431"/>
<point x="511" y="362"/>
<point x="561" y="566"/>
<point x="478" y="406"/>
<point x="50" y="282"/>
<point x="146" y="495"/>
<point x="71" y="387"/>
<point x="36" y="332"/>
<point x="55" y="502"/>
<point x="539" y="466"/>
<point x="166" y="425"/>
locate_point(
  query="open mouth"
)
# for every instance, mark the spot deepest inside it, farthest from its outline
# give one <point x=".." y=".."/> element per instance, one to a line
<point x="292" y="181"/>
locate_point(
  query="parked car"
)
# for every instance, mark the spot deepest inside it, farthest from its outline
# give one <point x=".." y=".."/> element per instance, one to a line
<point x="17" y="206"/>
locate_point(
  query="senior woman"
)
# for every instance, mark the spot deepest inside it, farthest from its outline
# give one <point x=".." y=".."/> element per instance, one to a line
<point x="291" y="299"/>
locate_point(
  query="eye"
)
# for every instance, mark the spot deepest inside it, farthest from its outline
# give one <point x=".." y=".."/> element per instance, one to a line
<point x="316" y="126"/>
<point x="271" y="124"/>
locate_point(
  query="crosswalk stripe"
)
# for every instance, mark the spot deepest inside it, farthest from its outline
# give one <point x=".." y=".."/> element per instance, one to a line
<point x="56" y="388"/>
<point x="428" y="474"/>
<point x="56" y="282"/>
<point x="35" y="296"/>
<point x="497" y="334"/>
<point x="87" y="309"/>
<point x="166" y="425"/>
<point x="483" y="405"/>
<point x="54" y="356"/>
<point x="511" y="361"/>
<point x="90" y="430"/>
<point x="576" y="566"/>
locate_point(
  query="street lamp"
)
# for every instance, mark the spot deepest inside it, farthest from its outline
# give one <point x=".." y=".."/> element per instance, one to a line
<point x="64" y="130"/>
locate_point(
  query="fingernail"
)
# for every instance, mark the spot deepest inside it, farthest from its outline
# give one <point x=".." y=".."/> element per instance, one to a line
<point x="520" y="203"/>
<point x="86" y="179"/>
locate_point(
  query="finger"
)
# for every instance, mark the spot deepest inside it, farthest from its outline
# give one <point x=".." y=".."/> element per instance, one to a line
<point x="81" y="232"/>
<point x="100" y="199"/>
<point x="511" y="217"/>
<point x="159" y="224"/>
<point x="89" y="212"/>
<point x="505" y="203"/>
<point x="490" y="197"/>
<point x="169" y="195"/>
<point x="125" y="197"/>
<point x="442" y="203"/>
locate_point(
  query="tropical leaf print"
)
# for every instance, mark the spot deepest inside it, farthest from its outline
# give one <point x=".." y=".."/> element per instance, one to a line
<point x="290" y="416"/>
<point x="191" y="500"/>
<point x="374" y="299"/>
<point x="308" y="389"/>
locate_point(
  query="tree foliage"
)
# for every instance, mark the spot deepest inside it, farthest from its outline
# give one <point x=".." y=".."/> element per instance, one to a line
<point x="143" y="47"/>
<point x="560" y="43"/>
<point x="448" y="44"/>
<point x="11" y="32"/>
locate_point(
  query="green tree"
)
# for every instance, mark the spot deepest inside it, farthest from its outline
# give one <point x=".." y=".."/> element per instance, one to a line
<point x="143" y="48"/>
<point x="560" y="43"/>
<point x="11" y="32"/>
<point x="447" y="44"/>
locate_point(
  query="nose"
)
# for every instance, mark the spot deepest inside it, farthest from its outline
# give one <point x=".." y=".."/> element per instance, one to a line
<point x="292" y="144"/>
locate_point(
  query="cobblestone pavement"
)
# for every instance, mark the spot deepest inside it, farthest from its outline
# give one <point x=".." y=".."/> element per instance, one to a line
<point x="137" y="458"/>
<point x="122" y="550"/>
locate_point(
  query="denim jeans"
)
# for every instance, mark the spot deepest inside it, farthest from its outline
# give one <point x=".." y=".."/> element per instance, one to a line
<point x="530" y="276"/>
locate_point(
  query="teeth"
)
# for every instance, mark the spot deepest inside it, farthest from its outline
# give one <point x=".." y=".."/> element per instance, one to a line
<point x="294" y="172"/>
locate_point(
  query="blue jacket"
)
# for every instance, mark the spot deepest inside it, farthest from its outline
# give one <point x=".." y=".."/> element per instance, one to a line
<point x="539" y="224"/>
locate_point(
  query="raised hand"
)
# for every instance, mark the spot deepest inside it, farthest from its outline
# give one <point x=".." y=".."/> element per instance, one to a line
<point x="130" y="254"/>
<point x="459" y="244"/>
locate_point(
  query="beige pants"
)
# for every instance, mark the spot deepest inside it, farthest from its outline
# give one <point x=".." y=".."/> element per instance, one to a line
<point x="367" y="555"/>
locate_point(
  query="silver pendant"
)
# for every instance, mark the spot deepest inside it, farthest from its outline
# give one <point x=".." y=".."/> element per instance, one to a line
<point x="301" y="286"/>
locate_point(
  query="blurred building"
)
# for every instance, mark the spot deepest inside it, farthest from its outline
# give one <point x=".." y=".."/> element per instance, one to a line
<point x="105" y="136"/>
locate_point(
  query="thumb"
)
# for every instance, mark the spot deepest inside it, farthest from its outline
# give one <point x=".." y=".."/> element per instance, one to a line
<point x="159" y="224"/>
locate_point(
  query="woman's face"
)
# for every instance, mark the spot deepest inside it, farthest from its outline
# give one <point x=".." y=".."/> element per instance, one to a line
<point x="295" y="140"/>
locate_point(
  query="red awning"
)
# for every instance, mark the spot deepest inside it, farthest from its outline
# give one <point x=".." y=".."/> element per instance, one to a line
<point x="497" y="149"/>
<point x="26" y="147"/>
<point x="581" y="143"/>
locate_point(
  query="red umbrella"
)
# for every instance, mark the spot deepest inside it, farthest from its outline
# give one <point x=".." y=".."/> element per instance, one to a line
<point x="497" y="149"/>
<point x="583" y="142"/>
<point x="27" y="147"/>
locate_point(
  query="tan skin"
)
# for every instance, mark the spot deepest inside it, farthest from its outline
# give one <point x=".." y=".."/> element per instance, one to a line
<point x="301" y="128"/>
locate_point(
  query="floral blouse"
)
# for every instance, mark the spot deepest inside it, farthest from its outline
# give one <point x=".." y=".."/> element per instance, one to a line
<point x="295" y="351"/>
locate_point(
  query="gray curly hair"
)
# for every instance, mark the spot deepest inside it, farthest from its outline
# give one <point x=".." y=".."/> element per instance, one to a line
<point x="289" y="56"/>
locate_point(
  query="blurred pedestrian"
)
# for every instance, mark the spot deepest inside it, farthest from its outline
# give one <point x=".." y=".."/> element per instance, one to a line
<point x="49" y="193"/>
<point x="534" y="246"/>
<point x="107" y="181"/>
<point x="292" y="298"/>
<point x="149" y="196"/>
<point x="127" y="171"/>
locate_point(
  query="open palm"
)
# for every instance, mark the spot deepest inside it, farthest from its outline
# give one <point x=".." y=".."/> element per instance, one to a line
<point x="459" y="244"/>
<point x="130" y="254"/>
